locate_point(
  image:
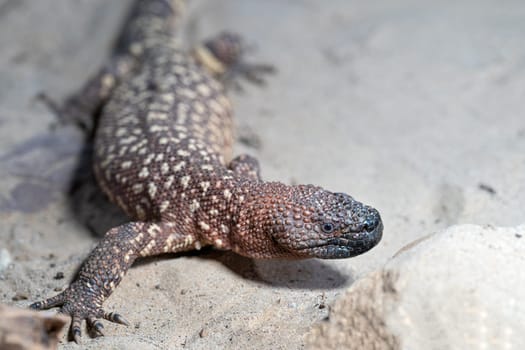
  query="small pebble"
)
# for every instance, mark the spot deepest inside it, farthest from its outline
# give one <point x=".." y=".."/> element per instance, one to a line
<point x="203" y="333"/>
<point x="5" y="259"/>
<point x="20" y="296"/>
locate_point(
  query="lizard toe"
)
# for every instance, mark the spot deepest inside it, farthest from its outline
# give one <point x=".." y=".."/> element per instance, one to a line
<point x="115" y="318"/>
<point x="95" y="325"/>
<point x="48" y="303"/>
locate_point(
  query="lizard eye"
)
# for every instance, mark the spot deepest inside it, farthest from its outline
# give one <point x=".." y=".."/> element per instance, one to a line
<point x="327" y="227"/>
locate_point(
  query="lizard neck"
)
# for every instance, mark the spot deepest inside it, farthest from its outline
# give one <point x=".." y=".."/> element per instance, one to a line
<point x="252" y="219"/>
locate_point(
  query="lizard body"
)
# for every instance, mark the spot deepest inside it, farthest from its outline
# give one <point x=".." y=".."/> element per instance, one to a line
<point x="163" y="146"/>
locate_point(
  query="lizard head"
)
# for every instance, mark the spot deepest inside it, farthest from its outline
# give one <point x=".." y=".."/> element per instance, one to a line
<point x="306" y="221"/>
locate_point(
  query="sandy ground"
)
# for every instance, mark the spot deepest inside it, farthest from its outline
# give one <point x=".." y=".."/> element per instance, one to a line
<point x="413" y="107"/>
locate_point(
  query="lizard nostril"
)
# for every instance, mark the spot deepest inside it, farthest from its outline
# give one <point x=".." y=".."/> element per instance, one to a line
<point x="372" y="221"/>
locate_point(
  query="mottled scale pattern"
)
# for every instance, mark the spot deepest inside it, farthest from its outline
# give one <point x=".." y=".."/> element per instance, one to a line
<point x="145" y="156"/>
<point x="163" y="153"/>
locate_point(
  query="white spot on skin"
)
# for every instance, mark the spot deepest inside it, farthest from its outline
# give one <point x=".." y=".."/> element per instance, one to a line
<point x="178" y="69"/>
<point x="164" y="205"/>
<point x="164" y="168"/>
<point x="194" y="205"/>
<point x="184" y="181"/>
<point x="199" y="107"/>
<point x="168" y="98"/>
<point x="127" y="140"/>
<point x="144" y="173"/>
<point x="156" y="128"/>
<point x="139" y="237"/>
<point x="138" y="188"/>
<point x="169" y="182"/>
<point x="218" y="243"/>
<point x="153" y="231"/>
<point x="156" y="115"/>
<point x="136" y="49"/>
<point x="148" y="159"/>
<point x="204" y="185"/>
<point x="108" y="81"/>
<point x="122" y="151"/>
<point x="146" y="251"/>
<point x="204" y="226"/>
<point x="121" y="132"/>
<point x="188" y="240"/>
<point x="214" y="212"/>
<point x="227" y="194"/>
<point x="183" y="153"/>
<point x="179" y="166"/>
<point x="203" y="89"/>
<point x="126" y="164"/>
<point x="152" y="189"/>
<point x="225" y="229"/>
<point x="206" y="167"/>
<point x="187" y="93"/>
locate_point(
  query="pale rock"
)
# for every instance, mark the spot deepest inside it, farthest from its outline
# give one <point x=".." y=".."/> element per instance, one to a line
<point x="461" y="288"/>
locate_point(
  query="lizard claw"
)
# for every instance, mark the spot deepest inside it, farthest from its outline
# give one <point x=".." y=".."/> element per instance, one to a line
<point x="252" y="72"/>
<point x="116" y="318"/>
<point x="57" y="300"/>
<point x="95" y="325"/>
<point x="75" y="329"/>
<point x="81" y="303"/>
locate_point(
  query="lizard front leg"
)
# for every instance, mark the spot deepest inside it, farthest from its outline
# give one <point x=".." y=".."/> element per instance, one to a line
<point x="106" y="266"/>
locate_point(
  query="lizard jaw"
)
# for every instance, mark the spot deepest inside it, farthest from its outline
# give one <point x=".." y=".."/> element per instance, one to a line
<point x="345" y="246"/>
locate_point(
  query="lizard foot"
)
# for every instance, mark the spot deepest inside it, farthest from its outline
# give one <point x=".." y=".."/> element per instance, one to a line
<point x="224" y="54"/>
<point x="81" y="303"/>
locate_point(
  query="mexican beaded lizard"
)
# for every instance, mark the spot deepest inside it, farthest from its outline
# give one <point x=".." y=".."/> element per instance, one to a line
<point x="162" y="149"/>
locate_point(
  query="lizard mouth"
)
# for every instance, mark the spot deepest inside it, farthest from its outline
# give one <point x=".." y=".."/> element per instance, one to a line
<point x="347" y="245"/>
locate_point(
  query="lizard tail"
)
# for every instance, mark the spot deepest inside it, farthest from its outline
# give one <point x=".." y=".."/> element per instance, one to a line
<point x="148" y="21"/>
